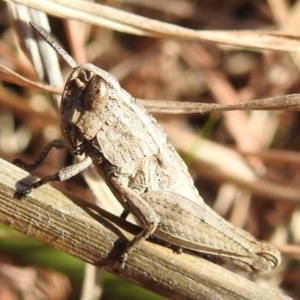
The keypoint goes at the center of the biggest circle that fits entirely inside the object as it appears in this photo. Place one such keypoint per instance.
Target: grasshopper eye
(96, 93)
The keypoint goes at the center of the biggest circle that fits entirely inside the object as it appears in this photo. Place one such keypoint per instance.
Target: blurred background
(244, 164)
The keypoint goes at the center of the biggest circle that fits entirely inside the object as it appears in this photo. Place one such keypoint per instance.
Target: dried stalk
(105, 16)
(70, 225)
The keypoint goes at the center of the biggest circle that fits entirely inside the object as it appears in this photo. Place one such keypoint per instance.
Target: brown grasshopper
(130, 151)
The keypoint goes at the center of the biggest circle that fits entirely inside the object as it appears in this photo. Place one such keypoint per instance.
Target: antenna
(58, 49)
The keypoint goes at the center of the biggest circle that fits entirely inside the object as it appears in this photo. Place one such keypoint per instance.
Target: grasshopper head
(84, 103)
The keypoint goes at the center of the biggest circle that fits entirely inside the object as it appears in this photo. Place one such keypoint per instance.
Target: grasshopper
(129, 149)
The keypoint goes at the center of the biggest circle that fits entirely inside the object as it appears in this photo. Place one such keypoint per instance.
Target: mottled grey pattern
(130, 150)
